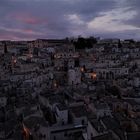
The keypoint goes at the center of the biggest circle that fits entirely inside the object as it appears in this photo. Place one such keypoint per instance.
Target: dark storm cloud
(52, 18)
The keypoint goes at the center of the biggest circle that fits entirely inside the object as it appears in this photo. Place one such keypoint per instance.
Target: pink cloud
(28, 31)
(27, 18)
(11, 36)
(8, 37)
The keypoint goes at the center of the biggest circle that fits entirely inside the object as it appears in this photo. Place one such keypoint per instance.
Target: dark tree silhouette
(5, 48)
(83, 43)
(115, 91)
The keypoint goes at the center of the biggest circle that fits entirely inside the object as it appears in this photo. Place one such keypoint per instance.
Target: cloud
(28, 19)
(61, 18)
(113, 20)
(75, 19)
(24, 31)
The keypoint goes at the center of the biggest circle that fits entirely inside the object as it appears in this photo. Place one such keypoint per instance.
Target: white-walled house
(74, 76)
(111, 73)
(136, 82)
(94, 128)
(61, 114)
(3, 101)
(102, 109)
(79, 115)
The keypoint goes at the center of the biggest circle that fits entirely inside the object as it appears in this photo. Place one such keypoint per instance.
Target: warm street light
(82, 69)
(15, 61)
(94, 75)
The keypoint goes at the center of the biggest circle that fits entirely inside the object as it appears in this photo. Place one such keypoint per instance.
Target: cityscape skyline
(32, 19)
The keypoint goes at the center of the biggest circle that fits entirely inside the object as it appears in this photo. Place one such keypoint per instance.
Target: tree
(83, 43)
(115, 91)
(5, 48)
(80, 44)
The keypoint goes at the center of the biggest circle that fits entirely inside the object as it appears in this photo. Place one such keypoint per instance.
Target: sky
(32, 19)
